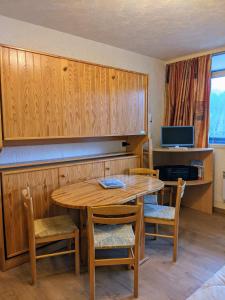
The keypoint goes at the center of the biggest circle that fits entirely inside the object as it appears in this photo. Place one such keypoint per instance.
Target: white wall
(219, 167)
(29, 36)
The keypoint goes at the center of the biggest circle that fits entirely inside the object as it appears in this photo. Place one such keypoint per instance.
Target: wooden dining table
(90, 193)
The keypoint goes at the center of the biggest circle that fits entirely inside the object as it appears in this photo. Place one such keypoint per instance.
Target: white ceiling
(159, 28)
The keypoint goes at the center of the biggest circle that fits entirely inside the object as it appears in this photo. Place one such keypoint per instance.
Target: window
(217, 100)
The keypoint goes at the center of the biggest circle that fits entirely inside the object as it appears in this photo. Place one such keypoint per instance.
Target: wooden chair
(147, 172)
(110, 227)
(49, 230)
(155, 174)
(144, 171)
(166, 215)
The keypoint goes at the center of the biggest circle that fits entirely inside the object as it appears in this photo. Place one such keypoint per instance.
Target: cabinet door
(121, 166)
(80, 172)
(86, 99)
(42, 184)
(128, 92)
(31, 95)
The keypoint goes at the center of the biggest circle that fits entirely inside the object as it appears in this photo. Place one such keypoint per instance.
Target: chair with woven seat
(48, 230)
(166, 215)
(110, 227)
(153, 198)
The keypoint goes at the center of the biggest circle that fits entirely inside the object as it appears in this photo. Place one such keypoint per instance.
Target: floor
(201, 254)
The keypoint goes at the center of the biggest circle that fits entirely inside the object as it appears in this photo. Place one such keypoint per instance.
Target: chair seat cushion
(113, 236)
(159, 212)
(53, 226)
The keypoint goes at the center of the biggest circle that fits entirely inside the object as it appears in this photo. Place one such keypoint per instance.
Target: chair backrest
(28, 204)
(144, 171)
(180, 192)
(114, 214)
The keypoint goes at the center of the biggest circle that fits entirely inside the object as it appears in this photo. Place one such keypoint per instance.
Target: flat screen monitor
(177, 136)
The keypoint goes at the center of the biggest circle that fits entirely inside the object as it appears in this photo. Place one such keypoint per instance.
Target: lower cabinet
(121, 165)
(80, 172)
(43, 181)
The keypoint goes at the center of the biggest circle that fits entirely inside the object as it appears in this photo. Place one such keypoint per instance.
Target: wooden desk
(90, 193)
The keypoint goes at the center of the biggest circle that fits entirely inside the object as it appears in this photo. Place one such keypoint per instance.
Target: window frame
(217, 74)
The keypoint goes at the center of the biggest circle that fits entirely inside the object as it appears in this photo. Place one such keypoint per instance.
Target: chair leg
(91, 276)
(175, 243)
(69, 244)
(171, 196)
(136, 275)
(77, 253)
(162, 196)
(156, 230)
(33, 263)
(129, 255)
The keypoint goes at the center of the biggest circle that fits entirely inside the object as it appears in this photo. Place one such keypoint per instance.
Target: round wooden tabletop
(91, 193)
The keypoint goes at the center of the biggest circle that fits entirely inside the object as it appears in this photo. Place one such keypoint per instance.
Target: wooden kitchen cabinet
(48, 97)
(121, 165)
(31, 95)
(128, 92)
(42, 183)
(86, 109)
(80, 172)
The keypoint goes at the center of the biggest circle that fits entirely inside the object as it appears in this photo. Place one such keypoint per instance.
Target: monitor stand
(178, 148)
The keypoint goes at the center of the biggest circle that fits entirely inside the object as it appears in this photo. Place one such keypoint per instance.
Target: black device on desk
(172, 173)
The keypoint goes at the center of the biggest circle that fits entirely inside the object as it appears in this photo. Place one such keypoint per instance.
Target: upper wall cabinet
(51, 97)
(128, 93)
(85, 99)
(31, 95)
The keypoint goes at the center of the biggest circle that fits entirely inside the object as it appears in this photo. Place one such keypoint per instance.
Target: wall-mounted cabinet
(85, 98)
(31, 95)
(128, 103)
(53, 97)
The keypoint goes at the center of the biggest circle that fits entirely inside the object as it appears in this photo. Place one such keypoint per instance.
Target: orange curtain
(187, 96)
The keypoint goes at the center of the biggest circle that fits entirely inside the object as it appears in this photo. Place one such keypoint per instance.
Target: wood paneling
(42, 183)
(50, 97)
(128, 92)
(80, 172)
(86, 99)
(31, 95)
(121, 166)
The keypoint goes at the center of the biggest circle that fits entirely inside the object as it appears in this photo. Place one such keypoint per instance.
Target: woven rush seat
(159, 212)
(113, 236)
(53, 226)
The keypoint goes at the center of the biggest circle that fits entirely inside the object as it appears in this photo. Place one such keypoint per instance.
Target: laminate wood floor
(201, 254)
